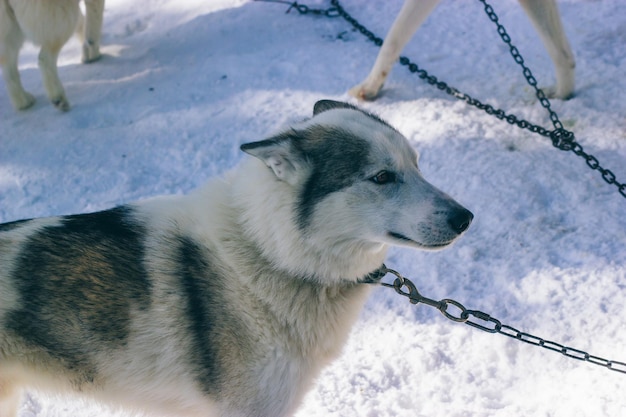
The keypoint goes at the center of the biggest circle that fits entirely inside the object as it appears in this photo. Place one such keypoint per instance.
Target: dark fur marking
(78, 282)
(5, 227)
(200, 284)
(334, 167)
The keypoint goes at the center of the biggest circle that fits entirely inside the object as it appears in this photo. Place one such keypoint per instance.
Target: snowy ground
(184, 83)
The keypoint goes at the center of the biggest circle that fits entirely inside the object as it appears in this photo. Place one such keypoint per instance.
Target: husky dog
(227, 301)
(49, 24)
(544, 15)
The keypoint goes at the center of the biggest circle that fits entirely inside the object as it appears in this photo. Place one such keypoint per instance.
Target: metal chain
(561, 138)
(304, 9)
(490, 324)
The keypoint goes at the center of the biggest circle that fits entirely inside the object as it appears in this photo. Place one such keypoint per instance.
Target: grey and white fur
(227, 301)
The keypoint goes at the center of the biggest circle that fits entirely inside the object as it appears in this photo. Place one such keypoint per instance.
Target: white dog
(49, 24)
(228, 301)
(544, 15)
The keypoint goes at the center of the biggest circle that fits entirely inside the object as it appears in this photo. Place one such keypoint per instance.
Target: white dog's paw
(556, 93)
(364, 92)
(60, 103)
(25, 101)
(91, 52)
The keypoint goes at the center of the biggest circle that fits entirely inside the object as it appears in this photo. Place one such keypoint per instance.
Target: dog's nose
(460, 220)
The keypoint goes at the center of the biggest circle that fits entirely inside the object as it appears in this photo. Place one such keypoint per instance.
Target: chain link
(483, 321)
(561, 138)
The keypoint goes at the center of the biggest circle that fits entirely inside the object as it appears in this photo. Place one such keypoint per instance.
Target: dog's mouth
(398, 236)
(406, 240)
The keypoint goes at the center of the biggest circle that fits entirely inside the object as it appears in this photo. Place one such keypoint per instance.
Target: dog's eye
(383, 177)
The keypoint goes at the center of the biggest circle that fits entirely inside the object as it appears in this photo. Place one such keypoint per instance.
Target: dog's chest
(306, 334)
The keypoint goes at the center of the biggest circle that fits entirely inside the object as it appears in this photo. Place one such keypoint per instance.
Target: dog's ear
(279, 154)
(324, 105)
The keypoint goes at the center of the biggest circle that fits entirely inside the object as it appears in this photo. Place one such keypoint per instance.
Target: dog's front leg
(411, 16)
(544, 15)
(48, 56)
(11, 41)
(94, 10)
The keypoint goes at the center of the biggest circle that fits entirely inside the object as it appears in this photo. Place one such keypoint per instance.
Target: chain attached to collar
(483, 321)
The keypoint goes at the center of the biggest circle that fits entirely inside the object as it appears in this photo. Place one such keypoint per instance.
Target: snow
(183, 84)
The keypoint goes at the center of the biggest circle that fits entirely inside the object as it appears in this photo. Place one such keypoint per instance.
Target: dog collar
(375, 276)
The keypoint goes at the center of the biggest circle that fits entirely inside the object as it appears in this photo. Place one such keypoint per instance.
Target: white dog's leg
(544, 15)
(48, 56)
(52, 35)
(49, 24)
(11, 41)
(411, 16)
(92, 29)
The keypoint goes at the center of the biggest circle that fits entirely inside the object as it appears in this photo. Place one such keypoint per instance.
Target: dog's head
(356, 179)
